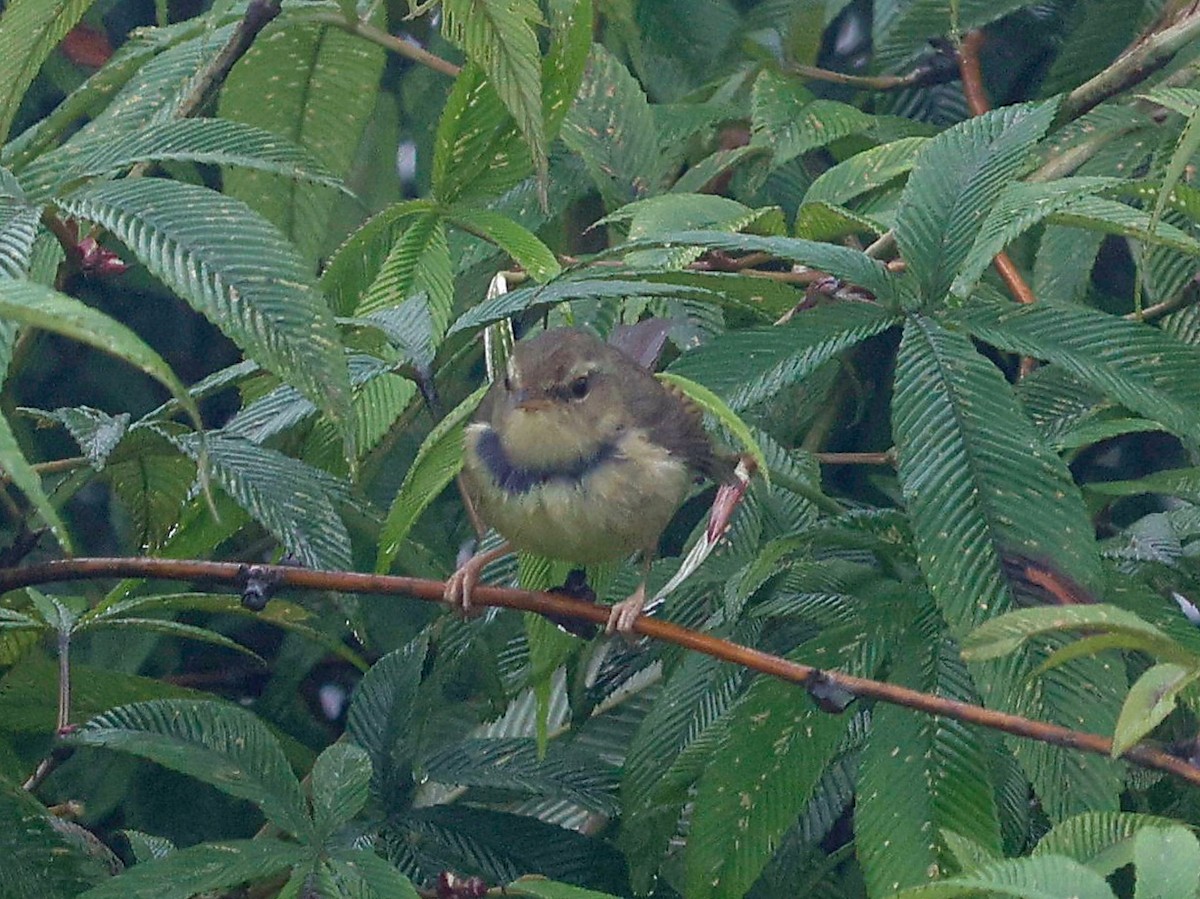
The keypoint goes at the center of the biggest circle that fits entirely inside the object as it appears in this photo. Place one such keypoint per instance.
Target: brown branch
(397, 45)
(887, 457)
(236, 574)
(259, 14)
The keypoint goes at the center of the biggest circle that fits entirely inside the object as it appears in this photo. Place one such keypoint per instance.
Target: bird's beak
(522, 400)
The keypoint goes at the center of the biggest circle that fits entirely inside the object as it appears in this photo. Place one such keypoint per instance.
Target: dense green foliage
(242, 317)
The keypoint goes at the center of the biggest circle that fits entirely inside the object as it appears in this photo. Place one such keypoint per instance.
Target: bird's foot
(623, 615)
(459, 586)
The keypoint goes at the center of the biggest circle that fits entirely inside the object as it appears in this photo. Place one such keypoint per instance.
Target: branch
(237, 574)
(398, 45)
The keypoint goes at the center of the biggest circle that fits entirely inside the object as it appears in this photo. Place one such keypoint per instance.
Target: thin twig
(397, 45)
(233, 573)
(887, 457)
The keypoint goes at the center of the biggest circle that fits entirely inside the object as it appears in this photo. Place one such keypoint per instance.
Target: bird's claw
(624, 614)
(457, 592)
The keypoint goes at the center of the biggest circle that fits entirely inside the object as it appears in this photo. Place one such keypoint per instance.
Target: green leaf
(45, 308)
(1017, 208)
(209, 867)
(548, 889)
(1005, 634)
(612, 129)
(203, 141)
(978, 483)
(1101, 840)
(755, 786)
(920, 775)
(294, 501)
(19, 220)
(1167, 863)
(787, 120)
(340, 780)
(44, 858)
(498, 36)
(368, 868)
(236, 270)
(96, 432)
(323, 104)
(381, 716)
(1043, 877)
(437, 462)
(726, 417)
(864, 172)
(957, 177)
(752, 365)
(521, 244)
(1151, 699)
(29, 32)
(1152, 373)
(14, 464)
(217, 743)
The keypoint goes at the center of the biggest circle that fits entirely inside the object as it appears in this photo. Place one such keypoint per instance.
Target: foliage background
(243, 283)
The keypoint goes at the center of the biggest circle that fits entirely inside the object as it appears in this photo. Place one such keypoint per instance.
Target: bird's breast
(602, 506)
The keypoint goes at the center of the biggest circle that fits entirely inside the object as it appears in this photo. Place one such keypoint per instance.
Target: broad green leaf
(1151, 699)
(204, 141)
(752, 365)
(865, 171)
(294, 501)
(209, 867)
(498, 36)
(612, 129)
(96, 432)
(43, 857)
(236, 270)
(1152, 373)
(380, 719)
(1181, 482)
(152, 479)
(786, 119)
(1005, 634)
(1017, 208)
(437, 462)
(340, 780)
(19, 221)
(548, 889)
(368, 868)
(978, 483)
(522, 245)
(29, 32)
(23, 475)
(921, 775)
(823, 221)
(754, 787)
(177, 629)
(1043, 877)
(1101, 840)
(43, 307)
(218, 743)
(323, 104)
(726, 417)
(956, 178)
(1166, 861)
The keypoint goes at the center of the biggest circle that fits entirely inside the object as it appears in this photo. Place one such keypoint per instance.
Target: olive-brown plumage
(580, 454)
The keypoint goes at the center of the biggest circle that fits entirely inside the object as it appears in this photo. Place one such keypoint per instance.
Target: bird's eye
(579, 387)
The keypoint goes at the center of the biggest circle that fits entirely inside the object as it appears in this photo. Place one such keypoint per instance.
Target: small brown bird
(581, 454)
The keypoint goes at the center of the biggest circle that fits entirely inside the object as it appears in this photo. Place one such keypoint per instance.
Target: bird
(580, 454)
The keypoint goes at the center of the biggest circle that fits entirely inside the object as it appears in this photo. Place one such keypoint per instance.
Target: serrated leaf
(14, 464)
(293, 501)
(29, 32)
(1101, 840)
(753, 365)
(218, 743)
(236, 270)
(379, 876)
(498, 36)
(548, 889)
(1033, 878)
(323, 104)
(96, 432)
(1151, 699)
(955, 179)
(340, 779)
(201, 869)
(612, 129)
(1152, 373)
(19, 221)
(865, 171)
(726, 417)
(1167, 863)
(437, 462)
(521, 244)
(43, 307)
(203, 141)
(785, 118)
(755, 786)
